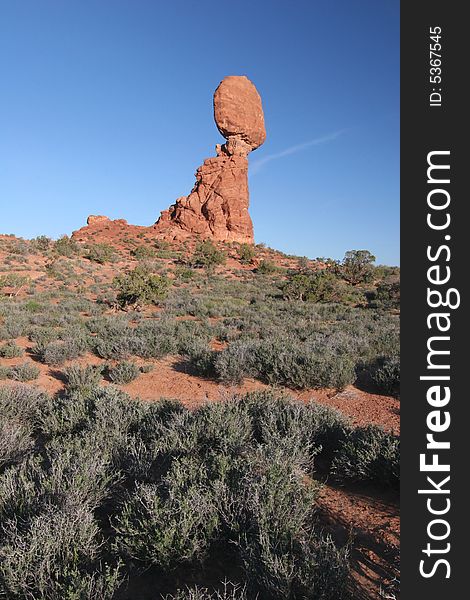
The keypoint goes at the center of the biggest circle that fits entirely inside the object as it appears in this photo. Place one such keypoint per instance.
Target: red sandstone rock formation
(217, 207)
(93, 219)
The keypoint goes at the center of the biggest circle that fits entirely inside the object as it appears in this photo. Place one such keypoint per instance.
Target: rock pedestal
(217, 207)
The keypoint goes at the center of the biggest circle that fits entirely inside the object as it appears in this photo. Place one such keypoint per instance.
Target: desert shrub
(169, 525)
(53, 558)
(184, 274)
(25, 372)
(272, 513)
(385, 375)
(15, 324)
(303, 263)
(357, 266)
(320, 286)
(123, 372)
(201, 358)
(100, 253)
(207, 255)
(147, 368)
(230, 591)
(235, 363)
(57, 352)
(11, 350)
(298, 430)
(14, 283)
(140, 287)
(18, 246)
(20, 408)
(22, 403)
(386, 296)
(5, 372)
(41, 243)
(303, 366)
(143, 252)
(15, 442)
(266, 267)
(162, 245)
(114, 337)
(116, 347)
(246, 254)
(157, 338)
(92, 480)
(82, 379)
(66, 246)
(369, 454)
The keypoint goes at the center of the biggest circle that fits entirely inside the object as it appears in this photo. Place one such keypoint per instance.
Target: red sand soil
(171, 377)
(370, 521)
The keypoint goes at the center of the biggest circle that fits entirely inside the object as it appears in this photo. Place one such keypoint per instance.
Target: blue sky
(106, 108)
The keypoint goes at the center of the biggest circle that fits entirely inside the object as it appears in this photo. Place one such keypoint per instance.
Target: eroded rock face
(217, 207)
(94, 219)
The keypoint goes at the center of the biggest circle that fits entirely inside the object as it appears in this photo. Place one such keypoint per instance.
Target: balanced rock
(238, 112)
(217, 207)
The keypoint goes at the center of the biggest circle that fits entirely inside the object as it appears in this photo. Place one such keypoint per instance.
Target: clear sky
(106, 108)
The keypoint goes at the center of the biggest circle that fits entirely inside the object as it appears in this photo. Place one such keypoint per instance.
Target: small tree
(140, 287)
(357, 266)
(266, 267)
(246, 254)
(207, 255)
(387, 296)
(101, 253)
(41, 243)
(321, 286)
(66, 246)
(143, 252)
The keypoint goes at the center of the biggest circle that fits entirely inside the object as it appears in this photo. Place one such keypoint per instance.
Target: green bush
(230, 591)
(207, 255)
(83, 379)
(140, 287)
(41, 243)
(5, 372)
(25, 372)
(123, 372)
(101, 253)
(320, 286)
(143, 252)
(302, 366)
(94, 484)
(66, 246)
(13, 281)
(57, 352)
(169, 525)
(246, 254)
(201, 358)
(11, 350)
(53, 557)
(385, 375)
(369, 454)
(357, 266)
(386, 296)
(266, 267)
(283, 556)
